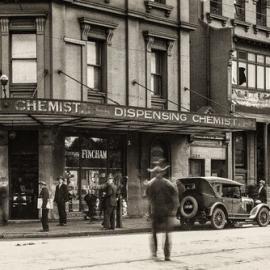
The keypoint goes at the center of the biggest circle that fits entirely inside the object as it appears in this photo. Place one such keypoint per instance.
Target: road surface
(239, 248)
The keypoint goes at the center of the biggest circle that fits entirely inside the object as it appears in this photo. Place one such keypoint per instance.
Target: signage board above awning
(45, 112)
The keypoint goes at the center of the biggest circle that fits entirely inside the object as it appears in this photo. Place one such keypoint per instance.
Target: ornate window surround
(28, 22)
(100, 31)
(156, 5)
(163, 42)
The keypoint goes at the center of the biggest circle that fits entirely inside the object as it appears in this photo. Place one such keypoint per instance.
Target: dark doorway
(196, 167)
(218, 168)
(23, 175)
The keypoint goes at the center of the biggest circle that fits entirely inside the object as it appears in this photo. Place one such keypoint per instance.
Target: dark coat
(110, 195)
(61, 194)
(262, 195)
(163, 197)
(44, 194)
(3, 195)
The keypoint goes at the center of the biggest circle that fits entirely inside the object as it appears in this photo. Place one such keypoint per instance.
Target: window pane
(234, 72)
(72, 151)
(267, 60)
(242, 55)
(156, 84)
(251, 75)
(242, 73)
(24, 71)
(24, 46)
(260, 59)
(93, 53)
(260, 77)
(251, 57)
(268, 78)
(93, 77)
(153, 62)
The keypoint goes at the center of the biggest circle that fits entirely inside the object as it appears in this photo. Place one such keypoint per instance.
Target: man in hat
(163, 198)
(44, 195)
(60, 198)
(110, 202)
(262, 192)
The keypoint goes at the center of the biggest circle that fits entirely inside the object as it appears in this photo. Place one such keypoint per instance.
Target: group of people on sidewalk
(61, 197)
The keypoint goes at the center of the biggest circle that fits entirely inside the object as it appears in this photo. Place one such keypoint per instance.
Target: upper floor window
(94, 65)
(23, 58)
(239, 6)
(216, 7)
(157, 76)
(261, 6)
(251, 70)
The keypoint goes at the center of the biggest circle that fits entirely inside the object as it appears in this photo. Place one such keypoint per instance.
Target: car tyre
(263, 217)
(218, 219)
(189, 207)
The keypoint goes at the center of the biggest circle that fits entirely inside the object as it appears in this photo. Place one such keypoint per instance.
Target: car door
(226, 199)
(237, 206)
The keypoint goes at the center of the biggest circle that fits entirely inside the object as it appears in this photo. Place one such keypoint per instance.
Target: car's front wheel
(263, 217)
(218, 219)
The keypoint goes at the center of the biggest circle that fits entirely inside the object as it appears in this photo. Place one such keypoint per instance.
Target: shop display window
(89, 161)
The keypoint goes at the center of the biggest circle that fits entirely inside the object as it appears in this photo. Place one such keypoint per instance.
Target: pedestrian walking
(262, 195)
(44, 195)
(60, 198)
(163, 198)
(3, 201)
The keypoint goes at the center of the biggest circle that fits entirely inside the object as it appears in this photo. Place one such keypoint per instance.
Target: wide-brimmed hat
(42, 183)
(262, 182)
(158, 169)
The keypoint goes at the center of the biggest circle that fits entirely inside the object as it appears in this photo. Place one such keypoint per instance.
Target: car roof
(214, 179)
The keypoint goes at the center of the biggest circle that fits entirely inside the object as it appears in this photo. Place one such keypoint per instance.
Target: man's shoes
(167, 258)
(60, 224)
(44, 230)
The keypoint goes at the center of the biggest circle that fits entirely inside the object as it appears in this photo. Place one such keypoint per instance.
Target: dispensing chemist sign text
(120, 112)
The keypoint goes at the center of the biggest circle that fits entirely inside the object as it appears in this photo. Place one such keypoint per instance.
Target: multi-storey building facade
(97, 88)
(230, 49)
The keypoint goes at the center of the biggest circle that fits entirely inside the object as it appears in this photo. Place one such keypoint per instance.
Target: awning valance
(71, 113)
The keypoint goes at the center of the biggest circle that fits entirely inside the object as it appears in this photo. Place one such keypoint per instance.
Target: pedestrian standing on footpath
(3, 201)
(262, 192)
(110, 202)
(44, 195)
(60, 198)
(163, 198)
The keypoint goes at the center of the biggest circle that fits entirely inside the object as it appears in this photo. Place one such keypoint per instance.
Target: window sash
(254, 73)
(157, 73)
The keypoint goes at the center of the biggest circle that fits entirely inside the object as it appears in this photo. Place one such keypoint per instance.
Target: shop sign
(43, 106)
(94, 154)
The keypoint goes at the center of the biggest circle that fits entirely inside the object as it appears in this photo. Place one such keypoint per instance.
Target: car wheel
(218, 219)
(189, 207)
(263, 217)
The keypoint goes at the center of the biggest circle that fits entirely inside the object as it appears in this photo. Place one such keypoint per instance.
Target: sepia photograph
(134, 134)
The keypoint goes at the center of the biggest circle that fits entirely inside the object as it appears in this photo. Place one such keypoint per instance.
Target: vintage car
(217, 200)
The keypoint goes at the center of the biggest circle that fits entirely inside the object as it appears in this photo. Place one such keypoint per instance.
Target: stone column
(46, 164)
(40, 24)
(4, 27)
(4, 161)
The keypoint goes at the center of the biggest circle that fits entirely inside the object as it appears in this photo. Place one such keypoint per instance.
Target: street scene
(236, 249)
(125, 120)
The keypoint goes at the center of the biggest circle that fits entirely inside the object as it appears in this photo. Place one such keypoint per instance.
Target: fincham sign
(65, 107)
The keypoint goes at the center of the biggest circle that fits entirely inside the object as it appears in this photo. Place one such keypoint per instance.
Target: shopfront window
(90, 160)
(240, 150)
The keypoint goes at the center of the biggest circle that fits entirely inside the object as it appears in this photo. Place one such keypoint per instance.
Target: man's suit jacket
(262, 195)
(61, 194)
(110, 195)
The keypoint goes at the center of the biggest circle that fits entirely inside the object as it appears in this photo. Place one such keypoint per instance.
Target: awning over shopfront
(76, 114)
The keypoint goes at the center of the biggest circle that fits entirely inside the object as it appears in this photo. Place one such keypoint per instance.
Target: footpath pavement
(31, 229)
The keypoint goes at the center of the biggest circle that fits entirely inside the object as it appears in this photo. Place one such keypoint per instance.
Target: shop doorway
(23, 174)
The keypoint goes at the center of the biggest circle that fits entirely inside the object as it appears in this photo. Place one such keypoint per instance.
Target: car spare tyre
(189, 207)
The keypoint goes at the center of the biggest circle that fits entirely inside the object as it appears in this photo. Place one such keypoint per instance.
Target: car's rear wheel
(189, 207)
(218, 219)
(263, 217)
